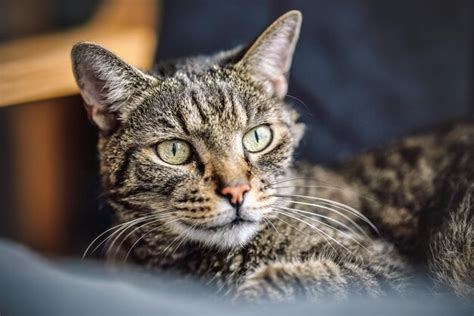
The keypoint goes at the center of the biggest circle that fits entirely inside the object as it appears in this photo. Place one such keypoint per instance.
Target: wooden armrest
(39, 68)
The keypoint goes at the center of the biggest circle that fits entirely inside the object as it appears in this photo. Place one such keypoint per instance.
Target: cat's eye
(257, 139)
(174, 152)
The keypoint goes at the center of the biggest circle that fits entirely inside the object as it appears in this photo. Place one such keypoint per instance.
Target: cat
(196, 159)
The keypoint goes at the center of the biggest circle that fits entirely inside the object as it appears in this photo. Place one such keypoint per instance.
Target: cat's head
(198, 144)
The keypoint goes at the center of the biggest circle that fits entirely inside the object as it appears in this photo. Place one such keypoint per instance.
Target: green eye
(257, 139)
(174, 152)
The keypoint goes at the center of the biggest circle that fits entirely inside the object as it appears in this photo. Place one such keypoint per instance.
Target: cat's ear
(109, 86)
(268, 59)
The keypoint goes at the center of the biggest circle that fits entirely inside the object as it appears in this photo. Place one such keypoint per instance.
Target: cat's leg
(374, 275)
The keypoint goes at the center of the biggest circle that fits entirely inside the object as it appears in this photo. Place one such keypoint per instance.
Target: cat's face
(201, 146)
(206, 149)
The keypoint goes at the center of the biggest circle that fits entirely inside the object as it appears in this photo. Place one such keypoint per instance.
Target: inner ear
(268, 60)
(93, 92)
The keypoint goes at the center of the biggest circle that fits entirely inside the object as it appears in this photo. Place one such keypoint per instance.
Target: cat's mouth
(237, 221)
(233, 231)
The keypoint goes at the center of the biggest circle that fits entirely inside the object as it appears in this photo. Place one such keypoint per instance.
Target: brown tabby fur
(418, 192)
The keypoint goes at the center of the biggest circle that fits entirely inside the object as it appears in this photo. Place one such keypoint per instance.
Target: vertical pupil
(173, 149)
(257, 137)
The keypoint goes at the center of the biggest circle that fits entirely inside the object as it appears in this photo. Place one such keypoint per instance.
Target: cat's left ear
(109, 86)
(269, 58)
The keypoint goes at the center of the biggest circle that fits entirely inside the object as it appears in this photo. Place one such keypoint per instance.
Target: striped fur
(293, 241)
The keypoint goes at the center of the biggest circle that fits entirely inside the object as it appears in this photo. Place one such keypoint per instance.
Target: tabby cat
(196, 161)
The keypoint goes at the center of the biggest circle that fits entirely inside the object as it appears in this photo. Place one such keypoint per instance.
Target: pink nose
(236, 193)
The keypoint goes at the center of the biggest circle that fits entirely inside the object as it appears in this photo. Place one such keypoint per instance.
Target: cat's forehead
(211, 106)
(215, 87)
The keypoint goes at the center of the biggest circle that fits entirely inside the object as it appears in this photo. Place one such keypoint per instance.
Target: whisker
(157, 218)
(110, 248)
(98, 237)
(105, 232)
(299, 178)
(315, 228)
(300, 101)
(321, 216)
(185, 235)
(270, 222)
(331, 210)
(118, 233)
(326, 224)
(338, 205)
(146, 234)
(150, 222)
(176, 239)
(300, 231)
(325, 187)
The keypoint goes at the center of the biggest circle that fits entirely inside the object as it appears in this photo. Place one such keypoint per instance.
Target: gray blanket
(31, 285)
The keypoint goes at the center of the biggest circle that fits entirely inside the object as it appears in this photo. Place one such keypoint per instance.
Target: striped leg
(374, 276)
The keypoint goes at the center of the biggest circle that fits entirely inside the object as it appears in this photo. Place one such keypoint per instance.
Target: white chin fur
(227, 238)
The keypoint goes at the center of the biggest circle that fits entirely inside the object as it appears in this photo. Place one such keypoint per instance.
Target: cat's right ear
(268, 59)
(109, 86)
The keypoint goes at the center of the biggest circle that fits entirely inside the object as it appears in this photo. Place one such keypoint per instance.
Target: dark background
(364, 72)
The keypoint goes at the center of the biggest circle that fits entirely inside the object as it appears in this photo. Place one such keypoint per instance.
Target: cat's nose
(235, 194)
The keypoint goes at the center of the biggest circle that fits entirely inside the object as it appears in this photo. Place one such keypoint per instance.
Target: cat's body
(196, 160)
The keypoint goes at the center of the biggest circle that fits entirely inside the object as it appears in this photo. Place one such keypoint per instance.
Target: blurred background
(364, 72)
